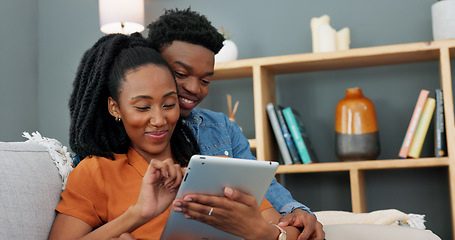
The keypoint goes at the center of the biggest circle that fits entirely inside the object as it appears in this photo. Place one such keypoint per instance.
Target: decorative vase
(228, 52)
(443, 19)
(356, 128)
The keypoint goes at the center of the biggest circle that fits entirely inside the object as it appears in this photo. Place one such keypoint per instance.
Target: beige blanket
(383, 217)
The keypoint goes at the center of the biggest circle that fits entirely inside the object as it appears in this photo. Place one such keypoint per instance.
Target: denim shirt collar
(195, 117)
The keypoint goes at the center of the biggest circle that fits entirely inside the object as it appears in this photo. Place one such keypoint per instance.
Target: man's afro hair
(184, 25)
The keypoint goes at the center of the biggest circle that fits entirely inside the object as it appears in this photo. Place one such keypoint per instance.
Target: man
(189, 42)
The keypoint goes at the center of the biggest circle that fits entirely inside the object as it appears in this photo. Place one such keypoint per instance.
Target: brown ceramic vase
(356, 128)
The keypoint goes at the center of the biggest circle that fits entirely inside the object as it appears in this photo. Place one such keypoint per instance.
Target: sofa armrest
(30, 190)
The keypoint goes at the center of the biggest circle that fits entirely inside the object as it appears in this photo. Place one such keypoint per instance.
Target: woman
(125, 124)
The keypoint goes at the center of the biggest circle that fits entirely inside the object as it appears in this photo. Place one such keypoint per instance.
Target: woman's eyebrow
(170, 93)
(149, 97)
(141, 97)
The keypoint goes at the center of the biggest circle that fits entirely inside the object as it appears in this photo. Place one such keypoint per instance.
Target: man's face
(193, 66)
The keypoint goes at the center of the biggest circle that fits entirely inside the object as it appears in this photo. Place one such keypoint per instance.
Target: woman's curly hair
(101, 73)
(184, 25)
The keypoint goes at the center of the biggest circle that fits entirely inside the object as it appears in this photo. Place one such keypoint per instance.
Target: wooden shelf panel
(234, 69)
(352, 58)
(253, 143)
(364, 165)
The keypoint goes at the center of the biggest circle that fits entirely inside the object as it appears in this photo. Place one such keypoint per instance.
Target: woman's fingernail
(228, 191)
(178, 204)
(177, 209)
(188, 199)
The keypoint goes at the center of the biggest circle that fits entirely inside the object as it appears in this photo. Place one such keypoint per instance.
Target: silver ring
(211, 210)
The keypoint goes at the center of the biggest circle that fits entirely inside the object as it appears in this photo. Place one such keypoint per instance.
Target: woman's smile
(157, 135)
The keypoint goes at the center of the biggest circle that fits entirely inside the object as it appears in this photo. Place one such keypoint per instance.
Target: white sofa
(30, 190)
(30, 187)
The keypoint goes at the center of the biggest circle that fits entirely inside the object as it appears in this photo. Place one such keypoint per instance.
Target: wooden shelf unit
(263, 71)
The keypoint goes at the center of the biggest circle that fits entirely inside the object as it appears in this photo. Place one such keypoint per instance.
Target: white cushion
(376, 232)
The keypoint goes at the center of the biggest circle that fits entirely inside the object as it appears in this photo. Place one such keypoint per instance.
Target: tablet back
(209, 175)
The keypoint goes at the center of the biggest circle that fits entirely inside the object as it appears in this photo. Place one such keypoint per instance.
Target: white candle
(327, 38)
(343, 39)
(314, 24)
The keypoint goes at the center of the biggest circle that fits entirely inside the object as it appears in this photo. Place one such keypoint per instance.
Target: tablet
(209, 175)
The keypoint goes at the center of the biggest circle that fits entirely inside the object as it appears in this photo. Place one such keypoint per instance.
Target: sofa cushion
(376, 232)
(30, 190)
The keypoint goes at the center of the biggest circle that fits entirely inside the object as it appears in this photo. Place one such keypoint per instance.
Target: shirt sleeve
(240, 144)
(282, 200)
(264, 205)
(83, 196)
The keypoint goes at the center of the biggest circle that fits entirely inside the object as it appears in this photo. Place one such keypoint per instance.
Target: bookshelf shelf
(364, 165)
(357, 172)
(263, 71)
(353, 58)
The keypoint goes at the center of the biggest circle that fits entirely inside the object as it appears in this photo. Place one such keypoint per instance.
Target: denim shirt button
(226, 153)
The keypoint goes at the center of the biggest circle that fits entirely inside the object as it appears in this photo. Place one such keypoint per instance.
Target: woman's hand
(237, 213)
(159, 188)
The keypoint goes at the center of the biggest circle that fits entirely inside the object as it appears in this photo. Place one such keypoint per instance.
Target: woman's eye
(142, 108)
(169, 105)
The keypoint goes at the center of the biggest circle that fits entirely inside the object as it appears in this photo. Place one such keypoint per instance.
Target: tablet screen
(209, 175)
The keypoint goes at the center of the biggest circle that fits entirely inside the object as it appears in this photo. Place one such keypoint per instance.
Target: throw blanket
(60, 155)
(383, 217)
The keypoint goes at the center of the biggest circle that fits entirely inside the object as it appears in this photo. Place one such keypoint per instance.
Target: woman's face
(149, 110)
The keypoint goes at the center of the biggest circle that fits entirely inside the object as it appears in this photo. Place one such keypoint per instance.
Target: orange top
(99, 190)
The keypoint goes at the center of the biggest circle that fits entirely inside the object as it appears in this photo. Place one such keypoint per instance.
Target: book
(299, 135)
(440, 141)
(286, 156)
(422, 128)
(413, 123)
(287, 136)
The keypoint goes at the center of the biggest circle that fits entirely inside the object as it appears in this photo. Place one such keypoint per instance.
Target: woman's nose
(157, 118)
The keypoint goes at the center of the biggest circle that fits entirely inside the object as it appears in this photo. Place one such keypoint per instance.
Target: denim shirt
(217, 135)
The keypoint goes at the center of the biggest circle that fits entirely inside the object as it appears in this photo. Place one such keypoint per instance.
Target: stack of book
(291, 136)
(421, 118)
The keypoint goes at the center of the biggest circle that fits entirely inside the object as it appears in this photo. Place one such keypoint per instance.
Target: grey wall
(40, 52)
(67, 29)
(18, 68)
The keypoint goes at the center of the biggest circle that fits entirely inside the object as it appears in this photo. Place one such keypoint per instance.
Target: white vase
(443, 19)
(228, 52)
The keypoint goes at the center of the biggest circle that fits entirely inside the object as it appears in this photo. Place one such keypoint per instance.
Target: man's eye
(205, 82)
(180, 75)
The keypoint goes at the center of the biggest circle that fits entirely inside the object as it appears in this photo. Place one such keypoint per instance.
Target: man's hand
(312, 229)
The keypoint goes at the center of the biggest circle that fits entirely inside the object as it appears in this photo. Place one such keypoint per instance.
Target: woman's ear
(113, 108)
